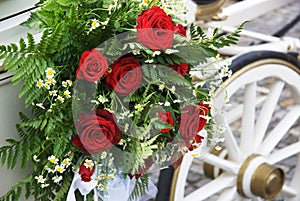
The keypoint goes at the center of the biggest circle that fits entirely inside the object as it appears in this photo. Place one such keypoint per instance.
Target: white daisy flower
(47, 86)
(70, 83)
(102, 99)
(195, 93)
(50, 73)
(64, 83)
(173, 89)
(40, 105)
(53, 159)
(149, 61)
(40, 179)
(35, 158)
(44, 185)
(167, 104)
(95, 24)
(66, 162)
(67, 94)
(138, 107)
(126, 127)
(60, 168)
(57, 179)
(53, 93)
(103, 155)
(51, 81)
(40, 83)
(105, 22)
(61, 99)
(88, 163)
(161, 87)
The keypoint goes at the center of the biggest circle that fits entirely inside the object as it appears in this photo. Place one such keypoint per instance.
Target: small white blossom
(111, 176)
(149, 61)
(50, 73)
(210, 33)
(53, 159)
(40, 105)
(161, 87)
(70, 83)
(57, 179)
(67, 94)
(102, 99)
(167, 104)
(138, 107)
(64, 84)
(173, 89)
(177, 101)
(35, 158)
(60, 168)
(156, 53)
(66, 162)
(50, 81)
(95, 24)
(88, 163)
(195, 93)
(103, 155)
(60, 99)
(44, 185)
(111, 161)
(40, 179)
(136, 52)
(105, 22)
(40, 83)
(126, 127)
(47, 86)
(110, 8)
(49, 170)
(170, 51)
(53, 93)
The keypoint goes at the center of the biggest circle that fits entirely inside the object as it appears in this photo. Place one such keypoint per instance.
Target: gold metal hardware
(266, 182)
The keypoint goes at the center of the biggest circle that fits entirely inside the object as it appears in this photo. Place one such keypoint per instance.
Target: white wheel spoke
(295, 183)
(267, 111)
(213, 187)
(232, 147)
(222, 163)
(248, 120)
(228, 194)
(257, 199)
(289, 191)
(237, 112)
(284, 153)
(279, 131)
(182, 175)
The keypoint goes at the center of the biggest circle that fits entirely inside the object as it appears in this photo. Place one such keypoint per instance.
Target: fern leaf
(64, 188)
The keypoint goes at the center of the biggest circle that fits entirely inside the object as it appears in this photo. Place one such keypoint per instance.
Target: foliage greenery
(65, 34)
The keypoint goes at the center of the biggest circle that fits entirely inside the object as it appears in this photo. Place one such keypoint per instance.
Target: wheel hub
(258, 178)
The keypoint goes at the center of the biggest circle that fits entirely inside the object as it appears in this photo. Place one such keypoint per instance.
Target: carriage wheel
(259, 141)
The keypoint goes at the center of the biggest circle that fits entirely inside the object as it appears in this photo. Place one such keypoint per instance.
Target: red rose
(194, 144)
(77, 142)
(92, 65)
(155, 29)
(97, 131)
(126, 76)
(86, 172)
(192, 121)
(167, 118)
(179, 29)
(182, 69)
(142, 170)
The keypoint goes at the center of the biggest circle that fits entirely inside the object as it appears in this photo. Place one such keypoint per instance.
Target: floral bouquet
(111, 95)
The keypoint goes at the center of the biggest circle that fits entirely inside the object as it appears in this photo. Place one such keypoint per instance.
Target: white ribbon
(119, 189)
(83, 187)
